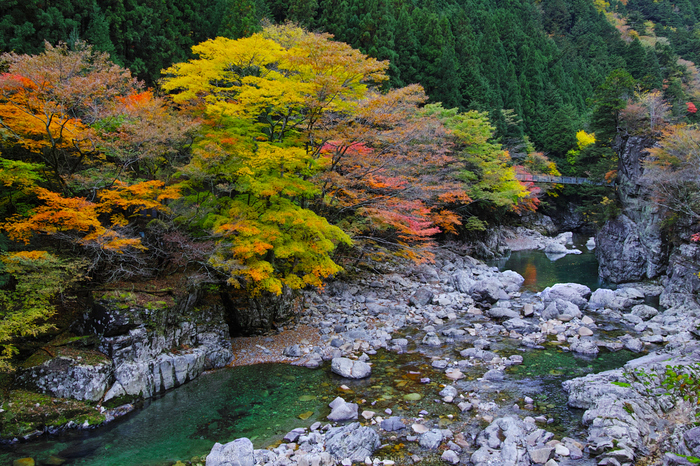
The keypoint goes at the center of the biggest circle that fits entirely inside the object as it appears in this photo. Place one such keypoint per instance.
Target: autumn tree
(103, 229)
(673, 172)
(140, 137)
(263, 97)
(48, 102)
(388, 168)
(84, 149)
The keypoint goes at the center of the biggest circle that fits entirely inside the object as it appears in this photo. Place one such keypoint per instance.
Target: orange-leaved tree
(48, 102)
(388, 166)
(81, 221)
(92, 148)
(141, 136)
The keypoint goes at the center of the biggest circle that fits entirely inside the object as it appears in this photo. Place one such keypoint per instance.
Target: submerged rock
(392, 424)
(431, 440)
(571, 292)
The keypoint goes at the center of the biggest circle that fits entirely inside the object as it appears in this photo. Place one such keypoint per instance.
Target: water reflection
(540, 272)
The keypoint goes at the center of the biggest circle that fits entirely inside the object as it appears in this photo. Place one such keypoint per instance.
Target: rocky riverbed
(493, 357)
(474, 324)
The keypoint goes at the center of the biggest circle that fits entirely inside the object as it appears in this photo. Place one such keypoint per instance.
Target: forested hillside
(262, 155)
(541, 59)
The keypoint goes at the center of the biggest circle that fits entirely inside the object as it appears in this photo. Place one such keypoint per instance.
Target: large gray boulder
(502, 313)
(488, 290)
(392, 424)
(431, 440)
(421, 297)
(617, 300)
(237, 453)
(350, 369)
(512, 281)
(555, 248)
(584, 346)
(559, 307)
(462, 281)
(352, 441)
(644, 312)
(571, 292)
(520, 325)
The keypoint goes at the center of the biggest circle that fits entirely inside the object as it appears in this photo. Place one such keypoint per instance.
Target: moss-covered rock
(26, 412)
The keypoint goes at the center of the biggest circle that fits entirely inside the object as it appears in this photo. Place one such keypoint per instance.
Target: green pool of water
(542, 373)
(555, 362)
(540, 271)
(260, 402)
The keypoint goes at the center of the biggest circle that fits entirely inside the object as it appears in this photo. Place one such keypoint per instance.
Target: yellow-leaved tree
(250, 174)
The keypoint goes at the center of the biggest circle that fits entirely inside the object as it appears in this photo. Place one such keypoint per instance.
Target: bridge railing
(559, 179)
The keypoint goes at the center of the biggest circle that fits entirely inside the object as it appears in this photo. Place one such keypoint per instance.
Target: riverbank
(473, 328)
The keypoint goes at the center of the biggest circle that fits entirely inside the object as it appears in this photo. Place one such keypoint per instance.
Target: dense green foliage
(541, 59)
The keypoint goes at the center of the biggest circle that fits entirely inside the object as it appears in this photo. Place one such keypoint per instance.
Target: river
(266, 401)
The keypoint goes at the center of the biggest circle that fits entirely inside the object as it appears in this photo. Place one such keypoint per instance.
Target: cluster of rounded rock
(317, 446)
(507, 440)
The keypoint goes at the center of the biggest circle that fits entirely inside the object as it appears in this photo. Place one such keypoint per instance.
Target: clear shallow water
(260, 402)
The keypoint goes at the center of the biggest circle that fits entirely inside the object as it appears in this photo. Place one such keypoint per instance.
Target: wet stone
(450, 456)
(392, 424)
(540, 455)
(431, 440)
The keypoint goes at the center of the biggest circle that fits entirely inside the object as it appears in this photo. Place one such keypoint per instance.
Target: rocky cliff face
(682, 282)
(138, 352)
(246, 315)
(632, 247)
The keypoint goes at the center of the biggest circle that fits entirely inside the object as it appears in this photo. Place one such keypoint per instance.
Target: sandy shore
(263, 349)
